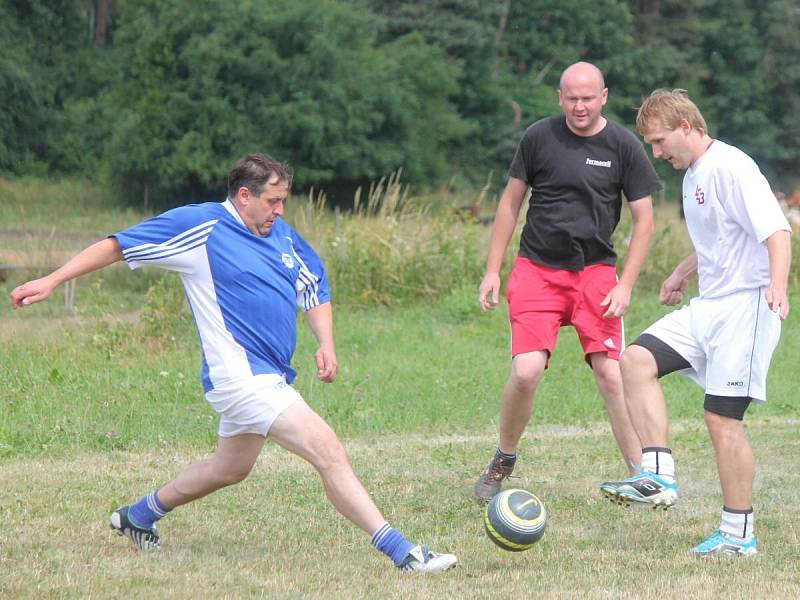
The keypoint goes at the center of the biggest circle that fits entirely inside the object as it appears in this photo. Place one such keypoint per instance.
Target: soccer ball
(515, 520)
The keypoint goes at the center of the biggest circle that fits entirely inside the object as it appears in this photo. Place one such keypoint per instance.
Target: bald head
(582, 95)
(582, 73)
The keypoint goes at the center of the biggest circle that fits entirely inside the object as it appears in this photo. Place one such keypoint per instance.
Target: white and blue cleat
(720, 544)
(419, 558)
(643, 488)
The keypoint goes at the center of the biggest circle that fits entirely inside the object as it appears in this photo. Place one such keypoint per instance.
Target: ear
(685, 126)
(243, 195)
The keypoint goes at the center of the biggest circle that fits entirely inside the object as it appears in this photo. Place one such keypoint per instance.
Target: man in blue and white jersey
(724, 338)
(245, 272)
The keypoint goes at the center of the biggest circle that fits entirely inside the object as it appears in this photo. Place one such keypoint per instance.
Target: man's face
(582, 100)
(260, 212)
(670, 145)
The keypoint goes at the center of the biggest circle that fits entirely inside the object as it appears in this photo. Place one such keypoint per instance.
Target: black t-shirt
(576, 185)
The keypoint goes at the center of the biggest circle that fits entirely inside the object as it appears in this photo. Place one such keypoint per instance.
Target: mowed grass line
(275, 535)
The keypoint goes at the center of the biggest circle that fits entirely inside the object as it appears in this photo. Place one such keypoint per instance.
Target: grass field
(102, 404)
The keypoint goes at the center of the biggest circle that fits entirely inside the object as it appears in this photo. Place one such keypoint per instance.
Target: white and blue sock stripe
(392, 543)
(147, 510)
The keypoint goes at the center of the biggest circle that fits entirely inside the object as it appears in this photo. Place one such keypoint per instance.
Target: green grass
(90, 383)
(103, 403)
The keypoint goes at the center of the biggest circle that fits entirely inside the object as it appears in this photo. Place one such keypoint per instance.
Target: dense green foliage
(348, 91)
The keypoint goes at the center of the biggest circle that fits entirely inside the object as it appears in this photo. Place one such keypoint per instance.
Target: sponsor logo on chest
(598, 163)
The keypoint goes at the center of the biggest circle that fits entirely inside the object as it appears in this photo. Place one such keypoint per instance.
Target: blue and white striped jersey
(243, 289)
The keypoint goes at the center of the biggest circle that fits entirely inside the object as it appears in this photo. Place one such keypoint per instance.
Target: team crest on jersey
(699, 196)
(288, 260)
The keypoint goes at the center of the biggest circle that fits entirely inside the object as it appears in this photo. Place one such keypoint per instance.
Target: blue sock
(392, 543)
(147, 511)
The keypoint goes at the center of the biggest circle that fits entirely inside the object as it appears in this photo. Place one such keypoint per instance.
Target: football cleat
(490, 481)
(720, 544)
(419, 558)
(644, 488)
(143, 539)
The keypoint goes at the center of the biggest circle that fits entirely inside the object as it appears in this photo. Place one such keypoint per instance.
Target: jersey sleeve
(167, 240)
(312, 280)
(750, 202)
(522, 163)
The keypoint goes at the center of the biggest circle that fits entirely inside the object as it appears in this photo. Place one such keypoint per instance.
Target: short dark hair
(254, 172)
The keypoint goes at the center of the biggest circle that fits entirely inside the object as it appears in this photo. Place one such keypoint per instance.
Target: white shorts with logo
(251, 405)
(729, 342)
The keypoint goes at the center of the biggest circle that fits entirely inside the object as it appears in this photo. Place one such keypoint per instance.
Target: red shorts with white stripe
(541, 300)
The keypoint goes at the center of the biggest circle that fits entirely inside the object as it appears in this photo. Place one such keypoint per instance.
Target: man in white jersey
(724, 338)
(245, 271)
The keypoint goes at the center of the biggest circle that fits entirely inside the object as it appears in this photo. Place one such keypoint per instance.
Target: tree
(36, 78)
(197, 84)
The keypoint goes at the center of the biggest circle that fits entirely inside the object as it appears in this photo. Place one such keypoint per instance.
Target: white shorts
(728, 342)
(251, 405)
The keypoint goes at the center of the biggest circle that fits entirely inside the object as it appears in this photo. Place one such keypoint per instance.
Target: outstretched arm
(619, 298)
(320, 319)
(779, 246)
(95, 257)
(505, 221)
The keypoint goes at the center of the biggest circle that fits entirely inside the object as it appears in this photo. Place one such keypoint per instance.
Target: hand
(777, 300)
(489, 292)
(327, 365)
(617, 301)
(31, 292)
(672, 290)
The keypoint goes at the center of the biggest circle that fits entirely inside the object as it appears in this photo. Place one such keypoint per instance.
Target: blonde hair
(669, 108)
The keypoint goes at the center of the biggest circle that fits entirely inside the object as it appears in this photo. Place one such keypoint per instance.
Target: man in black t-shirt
(577, 166)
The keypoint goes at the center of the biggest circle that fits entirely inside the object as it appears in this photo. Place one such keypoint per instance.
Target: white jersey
(730, 212)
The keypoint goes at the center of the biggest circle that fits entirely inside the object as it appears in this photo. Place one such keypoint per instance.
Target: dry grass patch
(276, 536)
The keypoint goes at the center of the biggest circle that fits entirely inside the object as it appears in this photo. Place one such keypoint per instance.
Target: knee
(226, 474)
(607, 374)
(727, 434)
(328, 454)
(721, 425)
(527, 374)
(637, 363)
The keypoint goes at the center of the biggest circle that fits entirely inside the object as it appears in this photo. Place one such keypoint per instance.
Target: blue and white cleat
(719, 544)
(644, 488)
(419, 558)
(143, 539)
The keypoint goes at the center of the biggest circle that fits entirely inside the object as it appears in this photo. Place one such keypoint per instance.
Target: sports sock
(737, 523)
(147, 510)
(391, 542)
(507, 460)
(660, 462)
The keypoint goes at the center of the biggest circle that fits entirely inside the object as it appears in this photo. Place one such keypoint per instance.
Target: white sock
(737, 523)
(660, 462)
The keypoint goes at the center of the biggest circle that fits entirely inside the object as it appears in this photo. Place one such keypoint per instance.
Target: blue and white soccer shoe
(719, 544)
(419, 558)
(644, 488)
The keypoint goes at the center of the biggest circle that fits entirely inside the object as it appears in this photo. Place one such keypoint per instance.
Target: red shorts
(541, 300)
